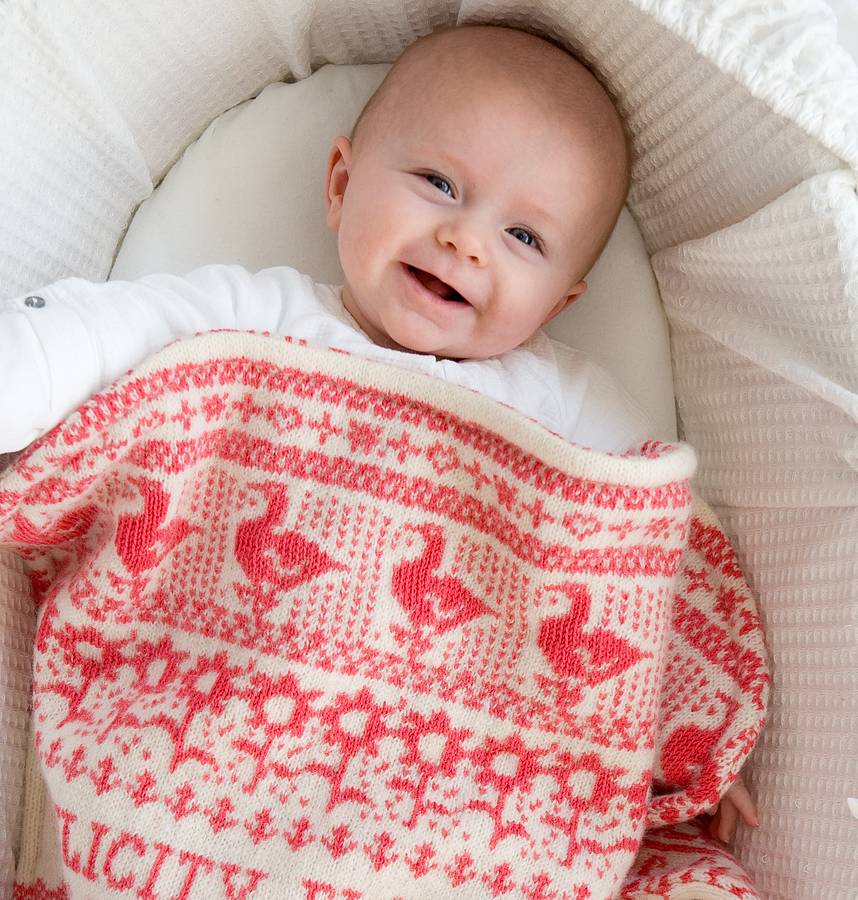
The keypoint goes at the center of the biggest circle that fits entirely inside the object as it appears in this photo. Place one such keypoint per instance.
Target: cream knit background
(743, 114)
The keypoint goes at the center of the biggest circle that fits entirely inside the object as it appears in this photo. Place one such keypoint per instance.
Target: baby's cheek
(352, 261)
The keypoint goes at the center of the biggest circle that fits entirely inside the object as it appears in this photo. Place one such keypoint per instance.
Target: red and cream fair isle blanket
(311, 626)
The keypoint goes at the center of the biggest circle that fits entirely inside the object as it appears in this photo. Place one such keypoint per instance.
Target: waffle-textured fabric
(742, 118)
(307, 619)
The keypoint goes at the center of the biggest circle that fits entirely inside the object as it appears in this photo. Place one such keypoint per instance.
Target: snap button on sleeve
(34, 302)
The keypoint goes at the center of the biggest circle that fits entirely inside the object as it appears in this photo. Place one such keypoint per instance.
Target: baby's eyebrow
(446, 159)
(540, 214)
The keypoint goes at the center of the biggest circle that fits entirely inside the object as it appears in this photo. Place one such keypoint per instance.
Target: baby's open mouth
(441, 288)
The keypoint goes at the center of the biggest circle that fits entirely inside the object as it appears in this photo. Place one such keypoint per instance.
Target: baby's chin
(424, 348)
(409, 331)
(419, 338)
(453, 352)
(415, 337)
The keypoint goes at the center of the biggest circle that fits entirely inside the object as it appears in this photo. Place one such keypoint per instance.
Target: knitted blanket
(315, 626)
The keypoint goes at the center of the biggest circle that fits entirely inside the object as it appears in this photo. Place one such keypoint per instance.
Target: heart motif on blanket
(582, 526)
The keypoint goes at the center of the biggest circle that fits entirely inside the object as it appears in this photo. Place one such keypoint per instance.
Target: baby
(483, 180)
(481, 183)
(472, 201)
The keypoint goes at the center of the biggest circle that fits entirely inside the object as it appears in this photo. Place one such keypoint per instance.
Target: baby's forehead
(461, 71)
(484, 75)
(481, 113)
(507, 72)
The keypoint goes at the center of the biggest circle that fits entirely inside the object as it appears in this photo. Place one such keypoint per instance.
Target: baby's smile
(434, 284)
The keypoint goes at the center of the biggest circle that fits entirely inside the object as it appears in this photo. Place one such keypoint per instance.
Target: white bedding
(846, 12)
(743, 119)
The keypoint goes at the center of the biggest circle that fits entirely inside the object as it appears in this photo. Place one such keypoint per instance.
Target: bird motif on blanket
(275, 558)
(441, 602)
(593, 655)
(68, 533)
(143, 538)
(687, 756)
(70, 527)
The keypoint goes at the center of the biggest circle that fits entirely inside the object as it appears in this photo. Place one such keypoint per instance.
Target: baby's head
(482, 182)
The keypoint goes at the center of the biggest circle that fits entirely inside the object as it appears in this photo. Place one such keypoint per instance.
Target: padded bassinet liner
(742, 114)
(730, 103)
(16, 659)
(773, 301)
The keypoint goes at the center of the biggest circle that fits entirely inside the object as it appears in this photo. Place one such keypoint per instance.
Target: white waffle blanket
(746, 139)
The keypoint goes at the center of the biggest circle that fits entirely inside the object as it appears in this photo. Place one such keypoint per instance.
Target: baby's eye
(525, 236)
(441, 183)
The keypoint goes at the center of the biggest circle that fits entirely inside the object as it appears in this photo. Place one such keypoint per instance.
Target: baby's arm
(61, 344)
(736, 802)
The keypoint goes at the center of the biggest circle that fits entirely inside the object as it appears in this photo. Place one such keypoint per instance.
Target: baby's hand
(736, 802)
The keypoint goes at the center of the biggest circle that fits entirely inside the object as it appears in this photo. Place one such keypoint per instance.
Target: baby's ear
(337, 180)
(568, 298)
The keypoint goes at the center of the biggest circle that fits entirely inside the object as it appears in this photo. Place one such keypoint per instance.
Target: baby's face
(465, 222)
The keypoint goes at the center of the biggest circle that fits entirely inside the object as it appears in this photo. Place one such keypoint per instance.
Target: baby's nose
(463, 238)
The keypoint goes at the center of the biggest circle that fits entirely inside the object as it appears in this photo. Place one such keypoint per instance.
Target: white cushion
(847, 24)
(250, 191)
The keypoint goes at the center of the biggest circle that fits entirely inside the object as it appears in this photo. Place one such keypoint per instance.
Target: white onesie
(66, 341)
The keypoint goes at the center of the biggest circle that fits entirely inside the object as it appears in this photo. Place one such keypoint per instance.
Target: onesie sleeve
(64, 342)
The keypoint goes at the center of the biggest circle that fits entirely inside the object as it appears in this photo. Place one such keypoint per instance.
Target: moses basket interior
(743, 117)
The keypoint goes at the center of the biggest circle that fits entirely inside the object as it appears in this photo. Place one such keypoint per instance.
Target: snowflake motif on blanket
(305, 632)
